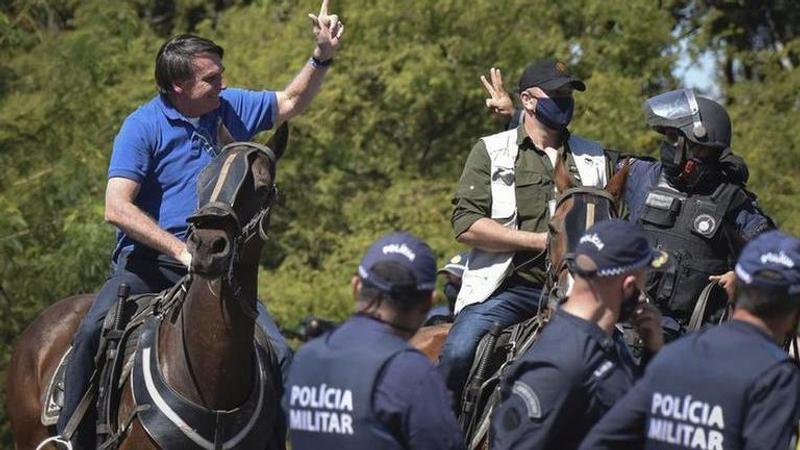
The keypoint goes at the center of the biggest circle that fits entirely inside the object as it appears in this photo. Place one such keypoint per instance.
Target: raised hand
(499, 102)
(328, 32)
(647, 323)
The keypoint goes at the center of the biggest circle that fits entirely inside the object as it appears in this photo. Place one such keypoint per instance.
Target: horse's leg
(38, 350)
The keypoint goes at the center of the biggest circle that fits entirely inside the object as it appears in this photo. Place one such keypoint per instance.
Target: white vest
(485, 271)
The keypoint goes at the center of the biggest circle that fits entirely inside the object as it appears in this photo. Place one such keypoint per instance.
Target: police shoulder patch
(529, 398)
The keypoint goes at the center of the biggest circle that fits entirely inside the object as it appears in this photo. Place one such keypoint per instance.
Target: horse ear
(223, 135)
(279, 139)
(561, 176)
(616, 185)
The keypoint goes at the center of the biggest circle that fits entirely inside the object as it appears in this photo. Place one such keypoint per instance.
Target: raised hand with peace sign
(328, 30)
(499, 102)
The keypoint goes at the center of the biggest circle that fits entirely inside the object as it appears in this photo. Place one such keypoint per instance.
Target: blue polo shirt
(163, 151)
(726, 387)
(555, 393)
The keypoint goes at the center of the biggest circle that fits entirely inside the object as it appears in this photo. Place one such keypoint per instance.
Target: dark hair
(404, 297)
(174, 59)
(766, 303)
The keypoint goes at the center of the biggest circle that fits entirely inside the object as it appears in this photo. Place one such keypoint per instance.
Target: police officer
(580, 365)
(731, 386)
(690, 203)
(452, 273)
(361, 386)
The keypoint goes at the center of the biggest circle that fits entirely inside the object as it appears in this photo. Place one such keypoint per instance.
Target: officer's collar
(594, 331)
(376, 322)
(752, 329)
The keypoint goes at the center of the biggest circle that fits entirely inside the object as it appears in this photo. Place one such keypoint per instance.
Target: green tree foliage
(382, 146)
(757, 49)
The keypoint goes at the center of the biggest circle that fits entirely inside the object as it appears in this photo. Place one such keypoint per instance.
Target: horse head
(235, 194)
(577, 208)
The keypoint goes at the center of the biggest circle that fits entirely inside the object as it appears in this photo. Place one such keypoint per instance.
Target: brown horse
(577, 208)
(202, 348)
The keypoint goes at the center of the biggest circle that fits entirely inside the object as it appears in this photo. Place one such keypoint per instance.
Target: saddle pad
(53, 400)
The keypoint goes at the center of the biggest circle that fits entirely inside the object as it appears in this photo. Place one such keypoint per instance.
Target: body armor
(692, 229)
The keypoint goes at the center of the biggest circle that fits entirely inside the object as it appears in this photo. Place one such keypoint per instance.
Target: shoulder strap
(729, 197)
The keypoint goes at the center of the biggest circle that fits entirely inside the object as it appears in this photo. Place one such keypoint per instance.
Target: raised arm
(299, 93)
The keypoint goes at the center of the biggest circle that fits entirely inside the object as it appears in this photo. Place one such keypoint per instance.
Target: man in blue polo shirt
(157, 155)
(726, 387)
(580, 365)
(361, 386)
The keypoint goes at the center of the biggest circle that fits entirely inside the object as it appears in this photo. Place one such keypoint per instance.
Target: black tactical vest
(691, 229)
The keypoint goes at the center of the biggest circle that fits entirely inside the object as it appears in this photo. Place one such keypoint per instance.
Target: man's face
(201, 92)
(701, 152)
(529, 96)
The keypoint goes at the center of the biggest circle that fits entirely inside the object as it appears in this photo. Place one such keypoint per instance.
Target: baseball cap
(456, 265)
(549, 74)
(772, 261)
(615, 247)
(406, 250)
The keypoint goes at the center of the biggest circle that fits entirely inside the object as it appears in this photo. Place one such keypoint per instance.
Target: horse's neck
(207, 352)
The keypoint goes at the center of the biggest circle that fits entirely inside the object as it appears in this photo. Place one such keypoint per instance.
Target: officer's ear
(355, 285)
(629, 284)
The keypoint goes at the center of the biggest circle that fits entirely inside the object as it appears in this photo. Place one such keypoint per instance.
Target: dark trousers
(143, 275)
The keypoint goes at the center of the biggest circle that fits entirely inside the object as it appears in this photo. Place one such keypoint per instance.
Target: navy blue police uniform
(726, 387)
(691, 206)
(557, 391)
(361, 386)
(575, 372)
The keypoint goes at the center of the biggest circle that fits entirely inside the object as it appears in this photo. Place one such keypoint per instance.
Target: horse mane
(561, 175)
(616, 185)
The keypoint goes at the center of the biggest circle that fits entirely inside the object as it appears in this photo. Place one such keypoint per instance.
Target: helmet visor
(675, 109)
(672, 105)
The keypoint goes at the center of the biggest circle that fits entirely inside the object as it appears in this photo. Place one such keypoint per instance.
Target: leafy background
(382, 146)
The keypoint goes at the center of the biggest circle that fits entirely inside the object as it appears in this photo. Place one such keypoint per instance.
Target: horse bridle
(564, 264)
(256, 226)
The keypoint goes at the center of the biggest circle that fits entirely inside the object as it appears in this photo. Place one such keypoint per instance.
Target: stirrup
(57, 440)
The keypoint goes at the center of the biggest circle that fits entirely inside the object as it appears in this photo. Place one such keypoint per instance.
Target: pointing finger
(323, 10)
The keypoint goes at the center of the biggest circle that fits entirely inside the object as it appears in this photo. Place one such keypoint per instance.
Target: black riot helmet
(702, 121)
(690, 124)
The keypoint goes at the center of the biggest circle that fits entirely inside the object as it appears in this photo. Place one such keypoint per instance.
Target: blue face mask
(554, 112)
(451, 292)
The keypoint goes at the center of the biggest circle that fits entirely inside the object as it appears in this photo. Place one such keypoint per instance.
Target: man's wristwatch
(316, 63)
